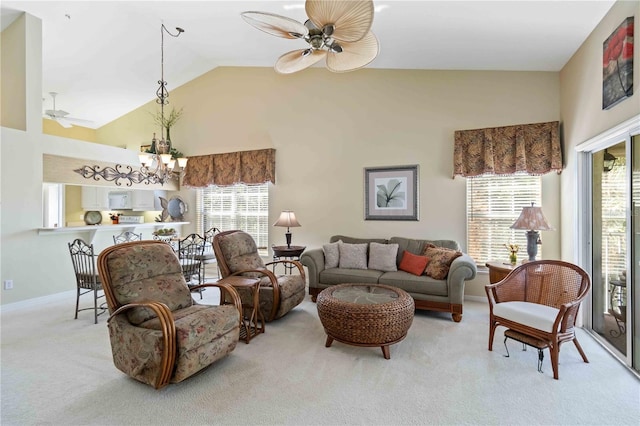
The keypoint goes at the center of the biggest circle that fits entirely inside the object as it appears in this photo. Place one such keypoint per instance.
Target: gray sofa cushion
(341, 276)
(350, 240)
(353, 256)
(415, 284)
(331, 254)
(382, 257)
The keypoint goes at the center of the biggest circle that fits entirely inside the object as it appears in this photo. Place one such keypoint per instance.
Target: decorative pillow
(353, 256)
(382, 257)
(440, 262)
(413, 263)
(331, 254)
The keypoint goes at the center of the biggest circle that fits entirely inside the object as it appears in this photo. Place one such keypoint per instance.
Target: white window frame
(240, 206)
(493, 205)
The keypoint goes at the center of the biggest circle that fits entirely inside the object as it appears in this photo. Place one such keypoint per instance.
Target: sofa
(443, 293)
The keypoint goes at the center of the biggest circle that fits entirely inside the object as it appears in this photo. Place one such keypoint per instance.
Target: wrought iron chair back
(209, 257)
(190, 252)
(126, 237)
(87, 278)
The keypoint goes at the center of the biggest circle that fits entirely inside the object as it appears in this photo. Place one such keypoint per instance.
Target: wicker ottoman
(365, 314)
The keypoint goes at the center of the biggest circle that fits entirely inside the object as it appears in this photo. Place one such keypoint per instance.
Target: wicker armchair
(540, 300)
(237, 254)
(158, 333)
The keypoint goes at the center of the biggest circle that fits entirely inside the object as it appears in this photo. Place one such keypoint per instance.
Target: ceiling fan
(336, 30)
(62, 117)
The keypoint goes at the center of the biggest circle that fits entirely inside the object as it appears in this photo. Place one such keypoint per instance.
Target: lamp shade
(287, 219)
(532, 218)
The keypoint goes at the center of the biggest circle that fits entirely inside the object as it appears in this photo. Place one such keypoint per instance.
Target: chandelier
(158, 166)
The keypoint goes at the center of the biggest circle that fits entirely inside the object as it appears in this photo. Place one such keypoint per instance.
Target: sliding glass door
(610, 240)
(633, 292)
(610, 248)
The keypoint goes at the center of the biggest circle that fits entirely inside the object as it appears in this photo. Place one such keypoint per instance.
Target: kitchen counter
(93, 229)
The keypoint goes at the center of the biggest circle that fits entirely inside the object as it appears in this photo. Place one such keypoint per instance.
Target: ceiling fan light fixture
(334, 27)
(328, 29)
(351, 19)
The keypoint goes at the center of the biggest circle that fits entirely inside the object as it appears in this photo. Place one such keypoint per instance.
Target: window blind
(243, 207)
(493, 205)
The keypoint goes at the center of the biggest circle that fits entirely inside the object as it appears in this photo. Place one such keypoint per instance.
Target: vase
(513, 258)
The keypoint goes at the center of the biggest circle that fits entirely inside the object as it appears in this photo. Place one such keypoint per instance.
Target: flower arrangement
(115, 217)
(513, 252)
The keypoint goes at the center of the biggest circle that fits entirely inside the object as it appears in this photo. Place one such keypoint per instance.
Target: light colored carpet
(58, 371)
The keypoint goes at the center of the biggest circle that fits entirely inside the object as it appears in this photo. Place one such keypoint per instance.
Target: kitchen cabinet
(147, 200)
(95, 198)
(142, 200)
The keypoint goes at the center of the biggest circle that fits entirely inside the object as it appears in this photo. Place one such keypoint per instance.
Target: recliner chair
(237, 254)
(158, 333)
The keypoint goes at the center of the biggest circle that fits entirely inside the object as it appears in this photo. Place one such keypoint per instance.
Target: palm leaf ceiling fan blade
(354, 55)
(298, 60)
(351, 19)
(276, 25)
(336, 29)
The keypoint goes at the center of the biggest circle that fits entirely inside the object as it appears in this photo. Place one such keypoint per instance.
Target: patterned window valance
(530, 148)
(249, 167)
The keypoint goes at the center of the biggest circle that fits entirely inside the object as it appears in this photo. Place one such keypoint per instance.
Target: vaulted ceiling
(103, 58)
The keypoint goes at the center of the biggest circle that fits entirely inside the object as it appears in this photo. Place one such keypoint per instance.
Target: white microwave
(120, 200)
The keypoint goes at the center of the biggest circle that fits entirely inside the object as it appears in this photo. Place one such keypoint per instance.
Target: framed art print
(617, 65)
(391, 193)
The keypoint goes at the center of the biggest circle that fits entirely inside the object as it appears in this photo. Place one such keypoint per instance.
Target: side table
(498, 270)
(252, 322)
(288, 253)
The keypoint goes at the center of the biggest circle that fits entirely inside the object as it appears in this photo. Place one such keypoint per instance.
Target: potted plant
(115, 218)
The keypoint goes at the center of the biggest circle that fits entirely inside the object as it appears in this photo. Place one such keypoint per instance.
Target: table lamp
(532, 219)
(287, 218)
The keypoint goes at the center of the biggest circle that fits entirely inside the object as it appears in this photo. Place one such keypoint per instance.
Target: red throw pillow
(413, 263)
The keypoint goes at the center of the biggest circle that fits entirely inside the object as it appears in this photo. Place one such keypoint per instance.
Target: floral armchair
(158, 333)
(237, 254)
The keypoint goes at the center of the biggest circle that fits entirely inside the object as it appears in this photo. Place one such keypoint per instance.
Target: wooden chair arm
(274, 285)
(225, 288)
(168, 329)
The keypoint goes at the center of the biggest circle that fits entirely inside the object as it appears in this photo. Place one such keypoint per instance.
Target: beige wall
(326, 128)
(51, 127)
(581, 109)
(13, 75)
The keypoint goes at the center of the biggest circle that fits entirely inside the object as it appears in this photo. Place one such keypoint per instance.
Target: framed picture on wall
(617, 65)
(391, 193)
